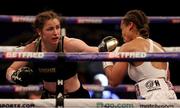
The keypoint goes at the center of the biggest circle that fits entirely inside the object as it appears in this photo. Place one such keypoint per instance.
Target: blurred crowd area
(17, 34)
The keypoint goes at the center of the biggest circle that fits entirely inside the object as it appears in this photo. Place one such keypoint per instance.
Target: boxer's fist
(108, 44)
(23, 76)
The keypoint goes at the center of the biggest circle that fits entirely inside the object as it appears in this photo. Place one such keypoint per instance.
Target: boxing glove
(108, 44)
(23, 76)
(106, 64)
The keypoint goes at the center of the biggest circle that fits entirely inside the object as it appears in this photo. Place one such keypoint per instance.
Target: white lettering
(89, 20)
(127, 55)
(24, 55)
(60, 82)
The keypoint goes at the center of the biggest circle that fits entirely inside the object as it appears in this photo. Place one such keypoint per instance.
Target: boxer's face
(124, 30)
(127, 31)
(50, 33)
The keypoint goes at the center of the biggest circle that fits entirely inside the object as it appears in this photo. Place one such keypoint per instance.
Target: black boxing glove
(108, 44)
(23, 76)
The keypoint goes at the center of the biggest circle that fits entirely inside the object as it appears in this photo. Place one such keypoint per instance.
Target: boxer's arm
(13, 68)
(168, 75)
(77, 45)
(109, 43)
(116, 72)
(106, 64)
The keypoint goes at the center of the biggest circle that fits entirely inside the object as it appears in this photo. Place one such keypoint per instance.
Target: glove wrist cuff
(106, 64)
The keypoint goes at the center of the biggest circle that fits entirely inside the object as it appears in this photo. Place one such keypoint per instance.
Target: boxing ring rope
(17, 48)
(90, 103)
(120, 103)
(90, 56)
(87, 20)
(27, 103)
(93, 87)
(18, 88)
(14, 53)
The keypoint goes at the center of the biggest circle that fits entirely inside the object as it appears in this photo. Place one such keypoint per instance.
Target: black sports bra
(51, 70)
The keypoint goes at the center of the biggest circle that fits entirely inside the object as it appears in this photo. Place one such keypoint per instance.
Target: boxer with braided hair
(152, 78)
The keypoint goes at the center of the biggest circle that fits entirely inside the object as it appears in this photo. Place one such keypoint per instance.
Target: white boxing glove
(106, 64)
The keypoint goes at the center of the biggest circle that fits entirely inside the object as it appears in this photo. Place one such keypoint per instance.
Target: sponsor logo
(24, 55)
(127, 55)
(47, 70)
(23, 19)
(152, 85)
(156, 106)
(82, 20)
(17, 105)
(113, 105)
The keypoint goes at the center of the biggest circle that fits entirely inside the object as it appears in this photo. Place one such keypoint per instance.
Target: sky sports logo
(17, 105)
(113, 105)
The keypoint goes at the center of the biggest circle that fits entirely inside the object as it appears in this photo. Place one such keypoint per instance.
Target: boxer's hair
(42, 17)
(140, 19)
(40, 20)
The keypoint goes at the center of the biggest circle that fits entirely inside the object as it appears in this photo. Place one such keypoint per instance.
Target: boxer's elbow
(113, 83)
